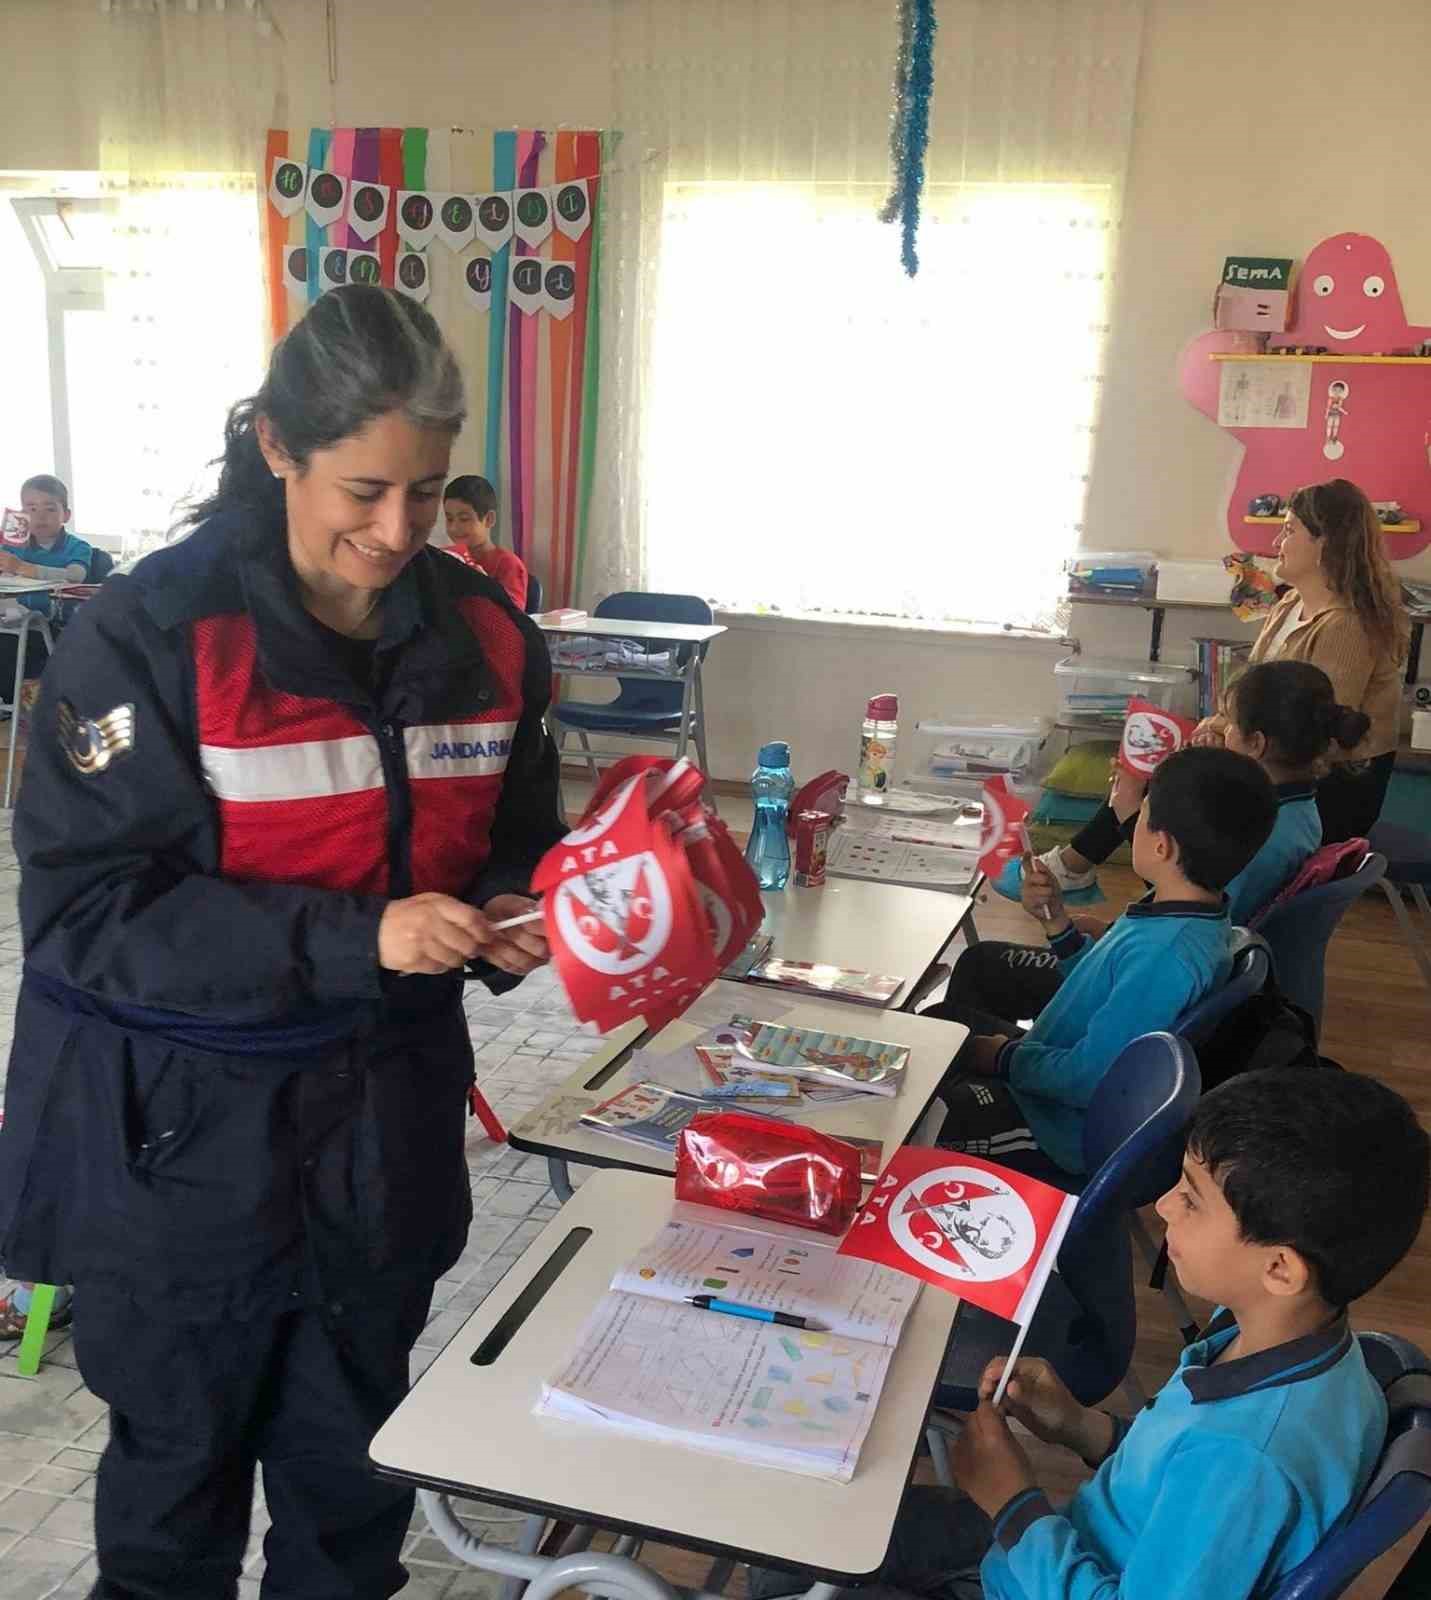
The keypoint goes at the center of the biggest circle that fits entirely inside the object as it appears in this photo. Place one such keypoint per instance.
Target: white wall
(1238, 147)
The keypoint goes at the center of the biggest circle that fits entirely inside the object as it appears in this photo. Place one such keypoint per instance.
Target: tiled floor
(52, 1429)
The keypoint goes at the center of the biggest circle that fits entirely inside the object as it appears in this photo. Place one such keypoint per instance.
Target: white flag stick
(1008, 1371)
(1028, 1304)
(516, 922)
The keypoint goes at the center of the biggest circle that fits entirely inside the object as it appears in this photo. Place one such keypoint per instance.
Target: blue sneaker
(1079, 888)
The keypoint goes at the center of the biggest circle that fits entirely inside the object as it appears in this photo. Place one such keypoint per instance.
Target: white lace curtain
(789, 421)
(195, 86)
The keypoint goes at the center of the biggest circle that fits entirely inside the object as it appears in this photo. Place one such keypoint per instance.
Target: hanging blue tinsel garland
(909, 127)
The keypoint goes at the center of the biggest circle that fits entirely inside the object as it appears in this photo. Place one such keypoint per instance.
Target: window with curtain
(792, 423)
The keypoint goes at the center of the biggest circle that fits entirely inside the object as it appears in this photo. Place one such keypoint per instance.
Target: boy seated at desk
(1206, 814)
(470, 505)
(1301, 1189)
(52, 553)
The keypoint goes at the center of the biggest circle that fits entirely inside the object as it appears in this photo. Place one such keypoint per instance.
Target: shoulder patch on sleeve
(92, 743)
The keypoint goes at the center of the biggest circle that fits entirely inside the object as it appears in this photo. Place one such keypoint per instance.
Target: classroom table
(468, 1429)
(870, 926)
(553, 1130)
(656, 635)
(11, 588)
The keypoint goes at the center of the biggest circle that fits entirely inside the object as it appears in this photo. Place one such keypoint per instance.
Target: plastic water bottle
(771, 785)
(877, 736)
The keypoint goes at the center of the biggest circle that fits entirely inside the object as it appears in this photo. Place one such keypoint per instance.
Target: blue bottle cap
(774, 754)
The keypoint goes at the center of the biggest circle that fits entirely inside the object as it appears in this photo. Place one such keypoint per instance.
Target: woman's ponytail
(1347, 726)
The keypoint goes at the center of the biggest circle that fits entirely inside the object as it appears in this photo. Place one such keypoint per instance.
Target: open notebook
(649, 1364)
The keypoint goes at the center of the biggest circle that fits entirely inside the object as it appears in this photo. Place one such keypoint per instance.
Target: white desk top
(12, 585)
(874, 927)
(469, 1429)
(552, 1129)
(630, 628)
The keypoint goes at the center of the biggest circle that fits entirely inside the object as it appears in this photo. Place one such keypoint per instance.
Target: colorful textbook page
(841, 1059)
(648, 1113)
(856, 1299)
(796, 1399)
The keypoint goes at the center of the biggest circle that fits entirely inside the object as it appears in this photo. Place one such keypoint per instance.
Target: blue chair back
(635, 605)
(1298, 932)
(1407, 852)
(534, 593)
(1251, 967)
(1399, 1494)
(1086, 1322)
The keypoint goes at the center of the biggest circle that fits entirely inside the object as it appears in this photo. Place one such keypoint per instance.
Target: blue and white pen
(709, 1302)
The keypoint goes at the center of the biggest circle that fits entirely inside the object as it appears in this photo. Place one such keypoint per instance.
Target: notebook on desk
(648, 1363)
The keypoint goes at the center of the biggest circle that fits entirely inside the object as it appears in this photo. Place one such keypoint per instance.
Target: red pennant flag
(626, 928)
(1150, 736)
(977, 1230)
(1002, 834)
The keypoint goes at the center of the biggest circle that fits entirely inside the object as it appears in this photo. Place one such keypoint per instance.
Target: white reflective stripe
(458, 749)
(307, 771)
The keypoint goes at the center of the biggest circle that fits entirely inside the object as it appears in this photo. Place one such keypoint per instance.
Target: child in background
(1301, 1190)
(1284, 715)
(1200, 824)
(471, 507)
(52, 552)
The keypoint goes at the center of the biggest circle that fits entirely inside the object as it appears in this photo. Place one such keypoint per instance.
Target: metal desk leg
(21, 640)
(559, 1178)
(528, 1543)
(687, 696)
(700, 728)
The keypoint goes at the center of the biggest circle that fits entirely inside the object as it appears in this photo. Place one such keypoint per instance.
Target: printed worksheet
(775, 1274)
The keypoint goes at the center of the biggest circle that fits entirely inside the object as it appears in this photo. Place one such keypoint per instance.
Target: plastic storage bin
(1132, 574)
(1094, 692)
(1204, 583)
(953, 759)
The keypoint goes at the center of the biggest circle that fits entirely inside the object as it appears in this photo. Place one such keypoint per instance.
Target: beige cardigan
(1335, 640)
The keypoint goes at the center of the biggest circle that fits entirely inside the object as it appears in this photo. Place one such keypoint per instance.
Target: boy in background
(1206, 815)
(470, 504)
(52, 552)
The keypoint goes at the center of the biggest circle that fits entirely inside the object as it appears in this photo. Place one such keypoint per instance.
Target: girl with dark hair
(283, 780)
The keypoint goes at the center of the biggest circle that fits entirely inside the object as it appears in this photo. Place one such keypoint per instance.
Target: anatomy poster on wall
(1254, 395)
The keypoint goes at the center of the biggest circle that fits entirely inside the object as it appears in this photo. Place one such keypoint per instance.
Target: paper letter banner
(559, 288)
(365, 266)
(295, 270)
(326, 194)
(477, 282)
(1150, 736)
(454, 220)
(969, 1227)
(534, 216)
(417, 218)
(368, 209)
(332, 267)
(287, 185)
(573, 208)
(412, 275)
(526, 284)
(494, 220)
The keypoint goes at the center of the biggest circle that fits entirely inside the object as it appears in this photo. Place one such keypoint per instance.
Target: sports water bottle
(877, 736)
(771, 785)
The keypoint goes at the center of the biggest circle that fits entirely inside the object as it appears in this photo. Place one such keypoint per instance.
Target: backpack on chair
(1268, 1030)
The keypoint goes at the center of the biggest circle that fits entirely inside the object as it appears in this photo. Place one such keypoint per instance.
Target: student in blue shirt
(1301, 1189)
(1284, 715)
(52, 552)
(1206, 814)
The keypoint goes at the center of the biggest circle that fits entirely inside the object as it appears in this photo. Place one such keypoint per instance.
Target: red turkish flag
(627, 930)
(1150, 736)
(1002, 835)
(970, 1227)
